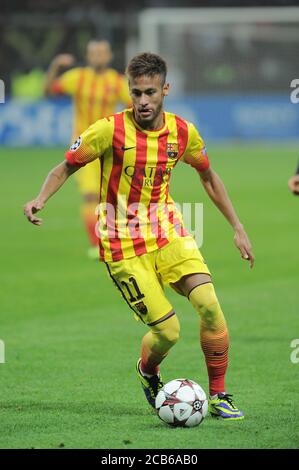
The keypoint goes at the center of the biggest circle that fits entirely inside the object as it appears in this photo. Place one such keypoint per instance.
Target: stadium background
(70, 344)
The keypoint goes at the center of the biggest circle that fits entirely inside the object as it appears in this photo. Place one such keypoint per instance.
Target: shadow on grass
(145, 418)
(77, 407)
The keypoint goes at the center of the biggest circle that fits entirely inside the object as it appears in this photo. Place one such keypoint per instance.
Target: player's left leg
(198, 288)
(181, 265)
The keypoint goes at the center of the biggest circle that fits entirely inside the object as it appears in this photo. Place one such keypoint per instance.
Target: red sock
(215, 347)
(149, 363)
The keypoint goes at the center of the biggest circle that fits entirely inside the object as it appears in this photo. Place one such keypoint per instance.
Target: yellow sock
(213, 334)
(157, 343)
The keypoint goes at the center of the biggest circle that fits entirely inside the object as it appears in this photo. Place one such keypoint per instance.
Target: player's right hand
(294, 184)
(64, 60)
(31, 208)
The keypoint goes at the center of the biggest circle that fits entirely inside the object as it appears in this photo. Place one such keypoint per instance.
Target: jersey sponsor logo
(147, 174)
(172, 150)
(76, 144)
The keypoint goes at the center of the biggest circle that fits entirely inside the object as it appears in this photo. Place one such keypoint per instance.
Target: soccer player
(96, 90)
(293, 183)
(142, 238)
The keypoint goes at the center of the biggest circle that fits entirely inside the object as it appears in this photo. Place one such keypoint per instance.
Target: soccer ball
(182, 402)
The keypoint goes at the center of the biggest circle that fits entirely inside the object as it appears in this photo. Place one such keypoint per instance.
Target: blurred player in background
(96, 90)
(138, 149)
(294, 183)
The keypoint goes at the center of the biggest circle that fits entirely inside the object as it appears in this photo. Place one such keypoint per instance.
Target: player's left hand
(243, 244)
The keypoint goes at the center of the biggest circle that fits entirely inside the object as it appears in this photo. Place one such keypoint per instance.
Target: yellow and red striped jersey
(136, 212)
(95, 95)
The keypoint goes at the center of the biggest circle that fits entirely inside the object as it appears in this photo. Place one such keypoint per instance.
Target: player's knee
(212, 316)
(169, 331)
(205, 301)
(172, 335)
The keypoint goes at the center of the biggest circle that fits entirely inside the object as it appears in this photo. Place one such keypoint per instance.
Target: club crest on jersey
(172, 150)
(141, 307)
(76, 144)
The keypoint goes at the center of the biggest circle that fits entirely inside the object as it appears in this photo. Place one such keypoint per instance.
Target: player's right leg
(141, 288)
(155, 346)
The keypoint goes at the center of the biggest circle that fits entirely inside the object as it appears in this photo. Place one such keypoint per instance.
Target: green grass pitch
(71, 342)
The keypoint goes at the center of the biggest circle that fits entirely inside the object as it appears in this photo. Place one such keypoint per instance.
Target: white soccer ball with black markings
(182, 402)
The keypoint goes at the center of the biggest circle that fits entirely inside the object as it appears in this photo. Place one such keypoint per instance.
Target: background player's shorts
(88, 178)
(141, 279)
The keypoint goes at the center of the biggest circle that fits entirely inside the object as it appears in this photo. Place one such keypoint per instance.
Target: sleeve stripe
(70, 157)
(203, 165)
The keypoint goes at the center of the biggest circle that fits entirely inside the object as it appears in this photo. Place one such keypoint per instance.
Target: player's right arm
(53, 85)
(55, 179)
(90, 145)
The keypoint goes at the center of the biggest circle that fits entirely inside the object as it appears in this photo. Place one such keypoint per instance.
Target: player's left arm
(216, 191)
(195, 155)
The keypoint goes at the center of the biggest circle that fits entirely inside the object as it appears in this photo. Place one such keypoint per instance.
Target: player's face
(99, 54)
(147, 96)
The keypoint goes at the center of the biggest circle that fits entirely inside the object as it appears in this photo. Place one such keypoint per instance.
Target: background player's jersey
(136, 213)
(95, 95)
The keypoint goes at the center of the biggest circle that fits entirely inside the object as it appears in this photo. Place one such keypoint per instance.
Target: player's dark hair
(147, 64)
